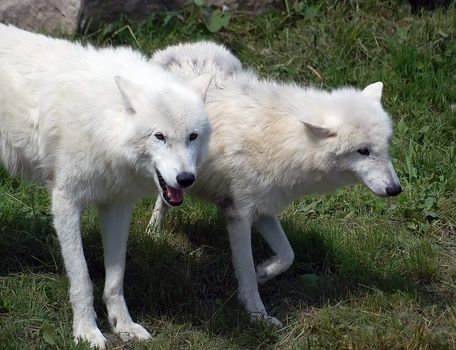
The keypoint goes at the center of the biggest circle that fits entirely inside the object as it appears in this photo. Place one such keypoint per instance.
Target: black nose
(393, 190)
(185, 179)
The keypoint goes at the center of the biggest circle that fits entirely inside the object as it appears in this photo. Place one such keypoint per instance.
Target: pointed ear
(129, 91)
(374, 91)
(200, 85)
(319, 131)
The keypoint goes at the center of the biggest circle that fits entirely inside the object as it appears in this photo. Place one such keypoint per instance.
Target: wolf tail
(189, 60)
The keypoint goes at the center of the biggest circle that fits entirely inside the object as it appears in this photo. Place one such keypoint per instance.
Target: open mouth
(171, 195)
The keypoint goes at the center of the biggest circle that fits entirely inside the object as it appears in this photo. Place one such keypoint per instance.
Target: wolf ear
(201, 84)
(129, 91)
(319, 131)
(374, 91)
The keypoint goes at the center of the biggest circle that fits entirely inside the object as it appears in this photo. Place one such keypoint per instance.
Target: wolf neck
(266, 115)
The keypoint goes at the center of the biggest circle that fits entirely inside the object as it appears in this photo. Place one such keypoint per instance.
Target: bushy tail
(190, 60)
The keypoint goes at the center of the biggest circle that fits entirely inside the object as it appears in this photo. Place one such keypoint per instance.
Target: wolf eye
(364, 151)
(193, 136)
(160, 136)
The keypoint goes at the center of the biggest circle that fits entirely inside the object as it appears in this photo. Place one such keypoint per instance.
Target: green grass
(370, 273)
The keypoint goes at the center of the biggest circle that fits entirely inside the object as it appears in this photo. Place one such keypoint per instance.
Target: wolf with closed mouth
(273, 143)
(100, 126)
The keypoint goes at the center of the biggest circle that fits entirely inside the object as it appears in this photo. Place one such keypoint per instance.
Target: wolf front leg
(158, 215)
(239, 229)
(115, 224)
(271, 230)
(67, 222)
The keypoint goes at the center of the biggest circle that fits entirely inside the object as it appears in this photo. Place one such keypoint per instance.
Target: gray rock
(139, 9)
(254, 6)
(66, 16)
(49, 16)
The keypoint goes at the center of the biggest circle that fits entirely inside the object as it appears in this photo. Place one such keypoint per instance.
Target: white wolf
(99, 126)
(273, 143)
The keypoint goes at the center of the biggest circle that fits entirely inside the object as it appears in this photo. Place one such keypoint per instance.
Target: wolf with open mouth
(99, 126)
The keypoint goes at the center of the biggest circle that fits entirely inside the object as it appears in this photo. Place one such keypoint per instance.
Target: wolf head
(356, 131)
(168, 133)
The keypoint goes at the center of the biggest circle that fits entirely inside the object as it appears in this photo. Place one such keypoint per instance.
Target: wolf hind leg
(271, 230)
(239, 229)
(155, 225)
(115, 223)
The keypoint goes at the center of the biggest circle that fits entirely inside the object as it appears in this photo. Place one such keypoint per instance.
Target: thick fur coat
(99, 126)
(274, 142)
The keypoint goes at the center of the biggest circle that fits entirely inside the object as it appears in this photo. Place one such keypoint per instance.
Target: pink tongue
(174, 194)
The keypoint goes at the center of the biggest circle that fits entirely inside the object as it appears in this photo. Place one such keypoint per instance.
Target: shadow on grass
(186, 276)
(28, 244)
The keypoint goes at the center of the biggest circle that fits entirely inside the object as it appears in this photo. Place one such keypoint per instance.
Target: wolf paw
(155, 226)
(93, 336)
(264, 317)
(131, 331)
(153, 230)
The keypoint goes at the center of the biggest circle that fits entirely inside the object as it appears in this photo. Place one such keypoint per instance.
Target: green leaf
(402, 127)
(310, 11)
(48, 333)
(429, 203)
(199, 3)
(309, 208)
(215, 20)
(301, 9)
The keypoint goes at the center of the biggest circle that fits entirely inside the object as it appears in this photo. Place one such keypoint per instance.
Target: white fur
(273, 143)
(82, 121)
(191, 60)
